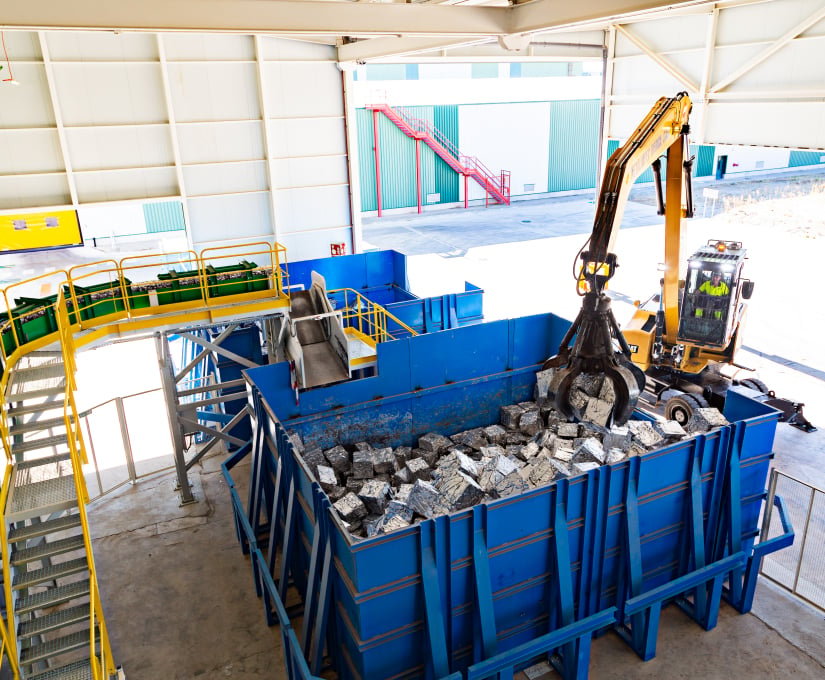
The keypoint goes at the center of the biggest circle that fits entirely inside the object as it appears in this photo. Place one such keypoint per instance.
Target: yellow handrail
(370, 317)
(9, 641)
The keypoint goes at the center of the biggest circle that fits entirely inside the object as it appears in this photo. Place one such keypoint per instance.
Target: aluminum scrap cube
(495, 469)
(670, 429)
(615, 455)
(402, 476)
(388, 524)
(427, 501)
(402, 454)
(495, 434)
(529, 450)
(564, 455)
(543, 380)
(590, 449)
(383, 462)
(510, 485)
(530, 422)
(618, 437)
(403, 493)
(313, 458)
(562, 469)
(568, 430)
(543, 472)
(705, 419)
(434, 442)
(296, 441)
(362, 446)
(338, 458)
(460, 491)
(362, 464)
(400, 508)
(509, 416)
(354, 484)
(350, 508)
(586, 466)
(474, 438)
(644, 433)
(545, 438)
(516, 437)
(578, 399)
(598, 411)
(327, 477)
(375, 496)
(608, 392)
(418, 469)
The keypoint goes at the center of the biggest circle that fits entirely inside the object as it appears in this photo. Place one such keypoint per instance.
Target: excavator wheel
(755, 384)
(679, 406)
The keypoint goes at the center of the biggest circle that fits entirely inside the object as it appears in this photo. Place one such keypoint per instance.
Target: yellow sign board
(35, 231)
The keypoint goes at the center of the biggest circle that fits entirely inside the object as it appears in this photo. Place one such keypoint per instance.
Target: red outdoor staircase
(496, 187)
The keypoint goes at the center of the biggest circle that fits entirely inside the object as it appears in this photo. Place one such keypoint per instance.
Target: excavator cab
(708, 313)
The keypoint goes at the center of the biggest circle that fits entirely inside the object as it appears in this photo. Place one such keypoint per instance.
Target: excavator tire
(679, 406)
(755, 384)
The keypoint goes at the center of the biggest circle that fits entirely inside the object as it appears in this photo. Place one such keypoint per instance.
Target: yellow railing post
(10, 641)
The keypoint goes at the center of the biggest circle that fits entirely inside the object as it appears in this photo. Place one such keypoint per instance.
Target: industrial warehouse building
(266, 263)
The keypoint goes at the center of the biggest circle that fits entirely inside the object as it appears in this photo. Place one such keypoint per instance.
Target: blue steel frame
(601, 559)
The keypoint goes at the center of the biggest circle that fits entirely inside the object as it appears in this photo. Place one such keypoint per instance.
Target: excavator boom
(663, 131)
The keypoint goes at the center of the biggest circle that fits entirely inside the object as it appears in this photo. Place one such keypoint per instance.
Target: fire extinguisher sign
(337, 249)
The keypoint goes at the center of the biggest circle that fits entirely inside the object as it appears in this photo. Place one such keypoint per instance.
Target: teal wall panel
(366, 160)
(805, 158)
(574, 144)
(165, 216)
(445, 119)
(703, 166)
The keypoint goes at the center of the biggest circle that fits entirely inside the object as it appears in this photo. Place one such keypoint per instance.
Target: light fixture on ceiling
(11, 80)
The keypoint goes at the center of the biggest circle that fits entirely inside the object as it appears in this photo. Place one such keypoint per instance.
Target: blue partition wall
(493, 587)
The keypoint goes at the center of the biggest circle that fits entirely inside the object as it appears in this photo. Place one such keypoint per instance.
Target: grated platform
(51, 573)
(41, 498)
(49, 622)
(44, 550)
(51, 597)
(43, 380)
(77, 670)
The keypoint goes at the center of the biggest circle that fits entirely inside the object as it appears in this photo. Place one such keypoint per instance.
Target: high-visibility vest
(710, 289)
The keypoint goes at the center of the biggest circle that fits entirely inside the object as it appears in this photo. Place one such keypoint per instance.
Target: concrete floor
(178, 593)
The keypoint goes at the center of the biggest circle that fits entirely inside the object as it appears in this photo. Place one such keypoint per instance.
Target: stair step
(43, 528)
(38, 381)
(42, 443)
(51, 573)
(51, 597)
(36, 425)
(51, 648)
(49, 622)
(77, 670)
(40, 407)
(43, 550)
(41, 487)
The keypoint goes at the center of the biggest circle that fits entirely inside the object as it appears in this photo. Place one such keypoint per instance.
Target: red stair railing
(497, 186)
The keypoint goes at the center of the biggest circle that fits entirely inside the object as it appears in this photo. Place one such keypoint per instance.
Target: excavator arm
(588, 347)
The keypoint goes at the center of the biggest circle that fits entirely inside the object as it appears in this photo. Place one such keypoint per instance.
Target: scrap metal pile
(378, 489)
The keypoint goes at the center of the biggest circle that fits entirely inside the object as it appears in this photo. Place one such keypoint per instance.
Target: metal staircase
(55, 627)
(495, 186)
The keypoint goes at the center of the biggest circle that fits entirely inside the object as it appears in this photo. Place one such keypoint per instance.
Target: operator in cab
(714, 287)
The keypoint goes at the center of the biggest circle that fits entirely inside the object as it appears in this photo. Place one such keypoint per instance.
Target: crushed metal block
(589, 383)
(636, 449)
(383, 462)
(545, 438)
(375, 496)
(313, 458)
(587, 466)
(460, 490)
(568, 430)
(530, 423)
(327, 477)
(618, 437)
(543, 472)
(402, 455)
(510, 485)
(297, 442)
(495, 469)
(552, 418)
(338, 458)
(562, 469)
(518, 462)
(427, 501)
(362, 464)
(564, 455)
(418, 469)
(354, 484)
(463, 448)
(705, 419)
(383, 478)
(644, 433)
(434, 442)
(495, 434)
(400, 508)
(529, 450)
(402, 476)
(615, 455)
(371, 524)
(350, 508)
(607, 392)
(509, 416)
(362, 446)
(590, 450)
(578, 399)
(431, 458)
(389, 524)
(591, 429)
(516, 438)
(474, 438)
(527, 405)
(670, 430)
(492, 452)
(543, 380)
(598, 411)
(403, 493)
(336, 493)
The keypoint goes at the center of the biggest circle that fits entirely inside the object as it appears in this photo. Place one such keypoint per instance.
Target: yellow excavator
(672, 349)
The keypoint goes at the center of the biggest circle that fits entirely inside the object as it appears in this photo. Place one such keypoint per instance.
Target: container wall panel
(292, 173)
(574, 143)
(224, 141)
(123, 185)
(99, 148)
(113, 93)
(28, 104)
(163, 216)
(101, 46)
(225, 178)
(21, 191)
(512, 137)
(290, 138)
(799, 158)
(26, 151)
(214, 91)
(208, 47)
(311, 208)
(220, 219)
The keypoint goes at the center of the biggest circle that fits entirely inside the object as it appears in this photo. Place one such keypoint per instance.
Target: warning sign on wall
(36, 231)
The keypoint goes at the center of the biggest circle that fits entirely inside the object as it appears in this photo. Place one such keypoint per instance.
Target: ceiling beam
(395, 46)
(257, 16)
(659, 59)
